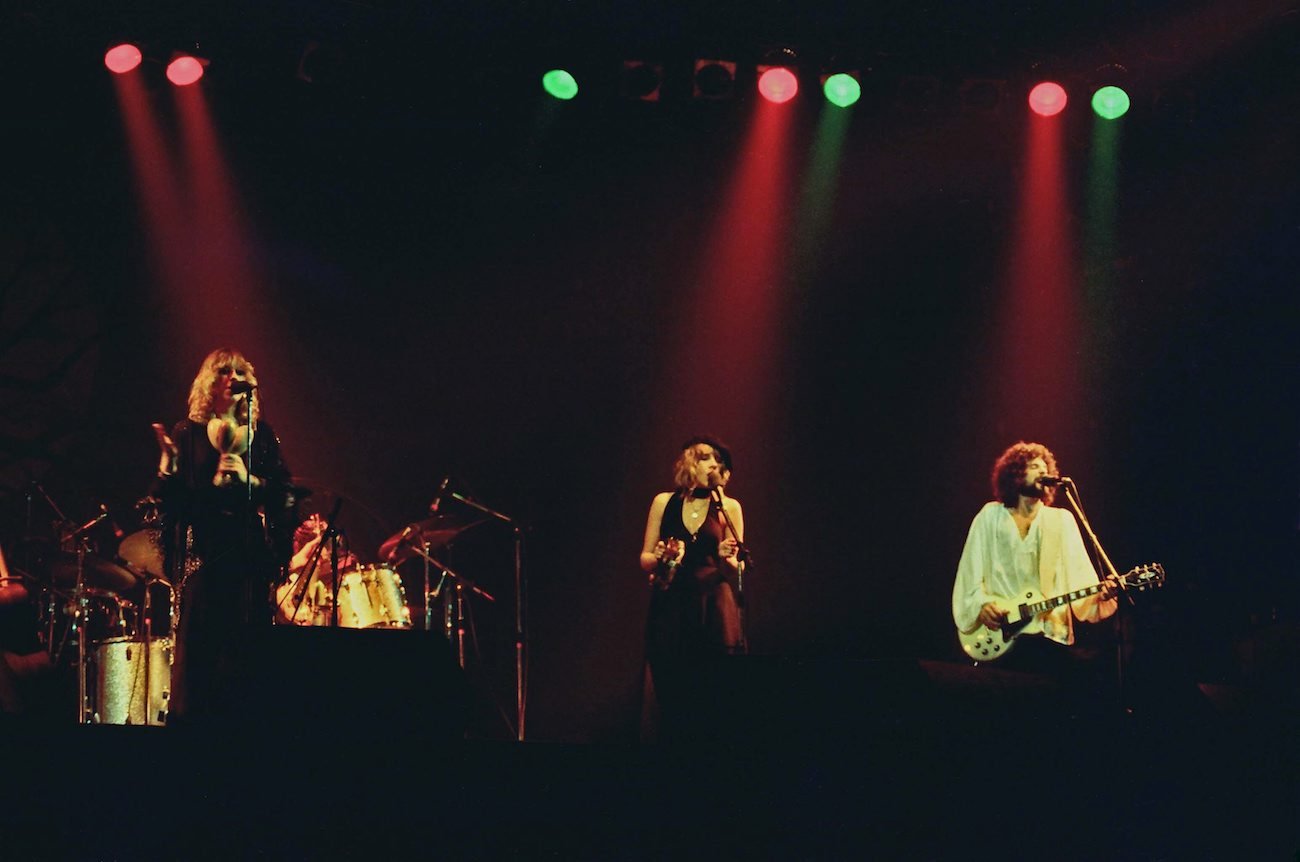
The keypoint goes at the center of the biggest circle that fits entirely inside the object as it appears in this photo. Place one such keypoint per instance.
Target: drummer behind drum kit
(372, 595)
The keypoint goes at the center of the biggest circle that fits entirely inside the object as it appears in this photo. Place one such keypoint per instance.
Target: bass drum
(372, 597)
(123, 688)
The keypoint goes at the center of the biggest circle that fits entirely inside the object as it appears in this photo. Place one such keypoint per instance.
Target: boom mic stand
(521, 601)
(743, 558)
(1072, 498)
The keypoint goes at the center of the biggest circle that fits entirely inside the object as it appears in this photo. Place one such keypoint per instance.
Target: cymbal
(431, 533)
(98, 573)
(142, 552)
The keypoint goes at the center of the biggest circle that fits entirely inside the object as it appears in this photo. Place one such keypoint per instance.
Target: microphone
(1052, 481)
(437, 498)
(401, 540)
(113, 525)
(103, 513)
(241, 387)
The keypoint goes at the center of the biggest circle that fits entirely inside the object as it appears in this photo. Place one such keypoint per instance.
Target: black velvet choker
(700, 493)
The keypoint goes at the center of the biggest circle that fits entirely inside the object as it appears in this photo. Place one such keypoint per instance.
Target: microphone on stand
(241, 387)
(401, 540)
(1052, 481)
(113, 525)
(437, 498)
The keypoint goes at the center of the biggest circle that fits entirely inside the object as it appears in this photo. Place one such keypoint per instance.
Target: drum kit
(107, 610)
(107, 619)
(372, 595)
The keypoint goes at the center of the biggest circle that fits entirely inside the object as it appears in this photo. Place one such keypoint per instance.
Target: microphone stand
(249, 510)
(744, 560)
(1072, 498)
(304, 579)
(331, 535)
(521, 602)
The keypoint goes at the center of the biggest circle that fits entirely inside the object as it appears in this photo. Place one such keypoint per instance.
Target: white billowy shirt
(1050, 559)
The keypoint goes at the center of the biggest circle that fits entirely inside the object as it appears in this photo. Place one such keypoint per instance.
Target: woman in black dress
(691, 558)
(227, 514)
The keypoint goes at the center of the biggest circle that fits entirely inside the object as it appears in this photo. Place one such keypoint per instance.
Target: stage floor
(942, 780)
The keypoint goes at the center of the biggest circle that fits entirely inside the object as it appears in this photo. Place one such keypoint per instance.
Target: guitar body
(1026, 612)
(985, 644)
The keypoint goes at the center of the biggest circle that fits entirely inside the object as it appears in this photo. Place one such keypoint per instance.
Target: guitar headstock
(1145, 577)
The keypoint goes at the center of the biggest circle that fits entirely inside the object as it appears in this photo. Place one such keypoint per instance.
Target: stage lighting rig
(842, 88)
(714, 80)
(641, 80)
(123, 57)
(777, 75)
(1109, 85)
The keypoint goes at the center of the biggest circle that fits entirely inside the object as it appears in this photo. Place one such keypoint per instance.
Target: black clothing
(224, 551)
(696, 619)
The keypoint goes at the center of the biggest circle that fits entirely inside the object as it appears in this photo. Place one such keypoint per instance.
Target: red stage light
(778, 85)
(1047, 99)
(184, 70)
(122, 58)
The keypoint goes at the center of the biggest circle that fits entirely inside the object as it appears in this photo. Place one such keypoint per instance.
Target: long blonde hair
(201, 389)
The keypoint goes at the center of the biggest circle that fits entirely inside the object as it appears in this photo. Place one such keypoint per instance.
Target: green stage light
(842, 89)
(560, 84)
(1110, 103)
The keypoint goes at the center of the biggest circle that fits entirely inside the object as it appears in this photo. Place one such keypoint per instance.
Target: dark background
(454, 277)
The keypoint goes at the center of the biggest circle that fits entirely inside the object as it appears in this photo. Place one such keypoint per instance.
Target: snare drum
(372, 597)
(120, 686)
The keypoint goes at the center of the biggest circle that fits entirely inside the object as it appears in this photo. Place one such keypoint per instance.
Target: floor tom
(127, 693)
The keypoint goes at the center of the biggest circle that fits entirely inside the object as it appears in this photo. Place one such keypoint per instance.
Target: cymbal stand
(81, 613)
(429, 594)
(146, 628)
(51, 595)
(459, 582)
(521, 602)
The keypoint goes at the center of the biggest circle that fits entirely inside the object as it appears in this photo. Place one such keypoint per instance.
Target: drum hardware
(521, 601)
(454, 627)
(429, 534)
(68, 567)
(80, 591)
(150, 511)
(422, 539)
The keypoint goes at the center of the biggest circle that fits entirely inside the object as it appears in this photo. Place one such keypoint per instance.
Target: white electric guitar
(1028, 611)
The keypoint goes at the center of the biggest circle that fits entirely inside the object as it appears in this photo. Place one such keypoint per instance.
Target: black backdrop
(457, 282)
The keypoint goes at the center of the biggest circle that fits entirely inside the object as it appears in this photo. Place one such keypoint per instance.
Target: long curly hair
(201, 389)
(1009, 471)
(684, 466)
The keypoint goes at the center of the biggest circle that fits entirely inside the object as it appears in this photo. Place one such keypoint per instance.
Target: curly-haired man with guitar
(1024, 569)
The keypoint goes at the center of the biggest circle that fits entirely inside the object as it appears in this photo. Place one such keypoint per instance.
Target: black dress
(695, 620)
(224, 552)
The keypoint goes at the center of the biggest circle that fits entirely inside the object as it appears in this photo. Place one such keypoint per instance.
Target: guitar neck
(1032, 610)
